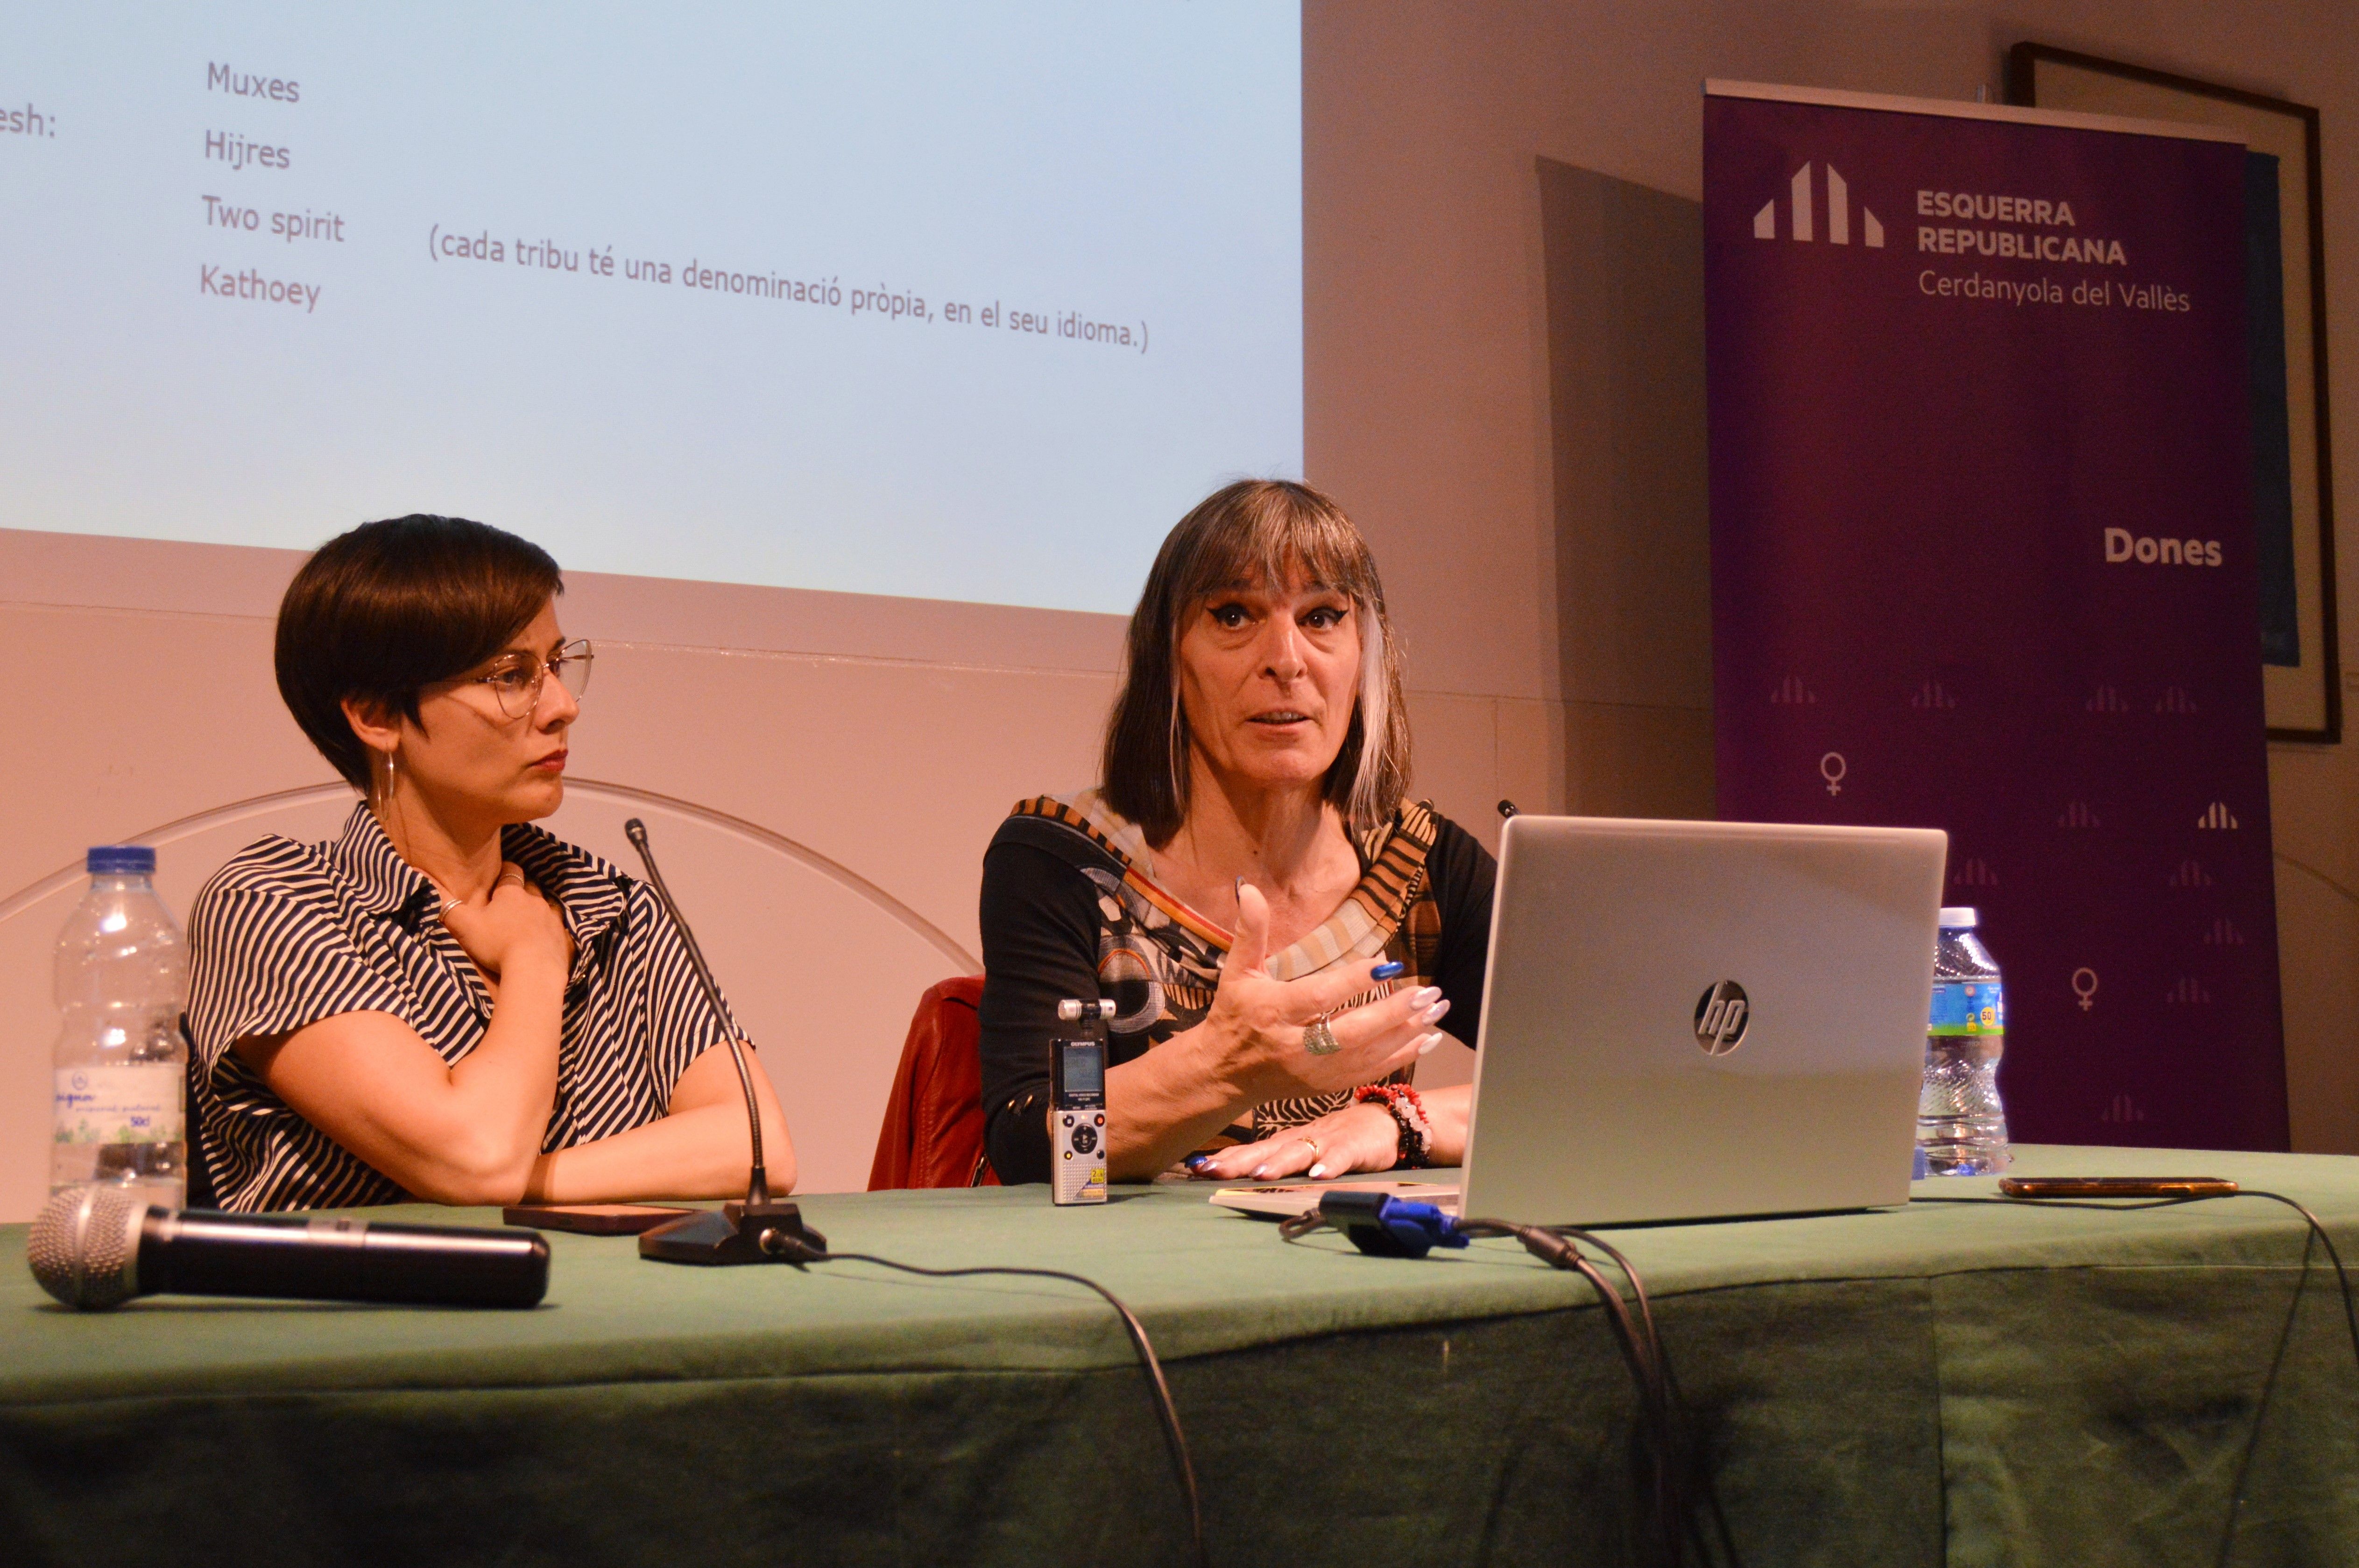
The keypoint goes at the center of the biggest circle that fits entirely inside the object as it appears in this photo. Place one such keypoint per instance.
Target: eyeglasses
(517, 679)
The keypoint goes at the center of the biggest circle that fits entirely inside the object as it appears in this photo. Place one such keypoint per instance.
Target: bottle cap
(1960, 919)
(120, 860)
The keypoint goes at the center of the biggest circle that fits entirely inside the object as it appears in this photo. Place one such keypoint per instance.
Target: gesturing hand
(1258, 1023)
(514, 921)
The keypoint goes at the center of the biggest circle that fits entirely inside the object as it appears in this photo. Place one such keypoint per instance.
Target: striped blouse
(289, 934)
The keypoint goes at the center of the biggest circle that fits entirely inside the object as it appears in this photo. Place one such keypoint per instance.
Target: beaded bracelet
(1414, 1103)
(1408, 1110)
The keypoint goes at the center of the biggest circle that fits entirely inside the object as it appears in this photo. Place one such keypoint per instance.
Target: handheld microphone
(739, 1233)
(96, 1247)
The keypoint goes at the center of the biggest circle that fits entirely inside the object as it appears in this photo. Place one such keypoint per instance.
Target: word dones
(2121, 546)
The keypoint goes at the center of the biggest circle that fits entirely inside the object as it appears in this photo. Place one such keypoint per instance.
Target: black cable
(1675, 1411)
(1637, 1286)
(2316, 1236)
(2261, 1406)
(1662, 1409)
(2317, 1229)
(1296, 1227)
(1660, 1451)
(1674, 1406)
(1182, 1467)
(1658, 1442)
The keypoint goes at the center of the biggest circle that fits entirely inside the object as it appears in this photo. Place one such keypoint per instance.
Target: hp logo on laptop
(1721, 1016)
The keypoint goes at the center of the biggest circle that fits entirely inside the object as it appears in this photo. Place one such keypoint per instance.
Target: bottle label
(1968, 1007)
(138, 1104)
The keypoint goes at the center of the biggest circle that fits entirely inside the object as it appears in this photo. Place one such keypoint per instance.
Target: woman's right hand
(511, 927)
(457, 1132)
(1255, 1024)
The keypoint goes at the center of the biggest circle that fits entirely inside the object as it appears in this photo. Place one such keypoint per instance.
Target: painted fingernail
(1431, 1041)
(1425, 996)
(1391, 969)
(1317, 1172)
(1197, 1162)
(1433, 1014)
(1259, 1171)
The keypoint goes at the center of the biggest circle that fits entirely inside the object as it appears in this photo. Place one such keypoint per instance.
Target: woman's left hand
(1358, 1137)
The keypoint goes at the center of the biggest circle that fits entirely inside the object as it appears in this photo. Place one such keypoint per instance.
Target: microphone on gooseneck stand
(748, 1232)
(762, 1230)
(99, 1245)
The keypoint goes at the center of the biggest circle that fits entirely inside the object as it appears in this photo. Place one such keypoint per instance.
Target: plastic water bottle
(1960, 1127)
(122, 971)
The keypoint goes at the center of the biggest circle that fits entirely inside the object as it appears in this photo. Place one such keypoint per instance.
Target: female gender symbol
(1831, 768)
(2086, 992)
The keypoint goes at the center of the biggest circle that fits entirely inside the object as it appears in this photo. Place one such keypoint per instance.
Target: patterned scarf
(1160, 960)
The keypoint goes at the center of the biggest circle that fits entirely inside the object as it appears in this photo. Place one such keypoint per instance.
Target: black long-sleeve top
(1059, 920)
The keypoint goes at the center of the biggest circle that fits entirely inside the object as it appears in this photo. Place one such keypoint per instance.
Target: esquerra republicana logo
(2029, 228)
(2001, 227)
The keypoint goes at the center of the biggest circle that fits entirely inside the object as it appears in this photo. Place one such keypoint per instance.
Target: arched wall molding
(753, 833)
(2348, 894)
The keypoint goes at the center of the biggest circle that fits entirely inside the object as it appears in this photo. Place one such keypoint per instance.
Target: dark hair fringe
(1253, 530)
(382, 611)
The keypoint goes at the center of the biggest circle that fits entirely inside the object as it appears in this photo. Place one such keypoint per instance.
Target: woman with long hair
(1283, 933)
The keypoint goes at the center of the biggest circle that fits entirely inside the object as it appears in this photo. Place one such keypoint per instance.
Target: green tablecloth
(1945, 1383)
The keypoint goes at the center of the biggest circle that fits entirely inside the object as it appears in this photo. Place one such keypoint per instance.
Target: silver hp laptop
(1693, 1020)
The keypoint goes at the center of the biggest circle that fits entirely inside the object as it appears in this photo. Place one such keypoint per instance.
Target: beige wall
(1521, 451)
(821, 772)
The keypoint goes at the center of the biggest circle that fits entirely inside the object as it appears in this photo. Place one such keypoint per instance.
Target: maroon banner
(1984, 559)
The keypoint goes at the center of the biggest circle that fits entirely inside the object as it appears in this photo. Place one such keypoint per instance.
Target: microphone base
(733, 1234)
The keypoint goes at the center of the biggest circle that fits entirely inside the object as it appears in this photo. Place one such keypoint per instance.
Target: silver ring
(1311, 1143)
(1319, 1040)
(450, 905)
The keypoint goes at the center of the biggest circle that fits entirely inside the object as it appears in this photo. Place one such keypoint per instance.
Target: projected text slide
(952, 301)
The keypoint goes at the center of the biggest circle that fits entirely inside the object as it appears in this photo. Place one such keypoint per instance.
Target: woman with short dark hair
(1281, 932)
(448, 1003)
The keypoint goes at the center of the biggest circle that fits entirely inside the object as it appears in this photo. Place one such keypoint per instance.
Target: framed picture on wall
(2286, 292)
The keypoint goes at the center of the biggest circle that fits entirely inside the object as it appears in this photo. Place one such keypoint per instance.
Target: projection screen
(952, 301)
